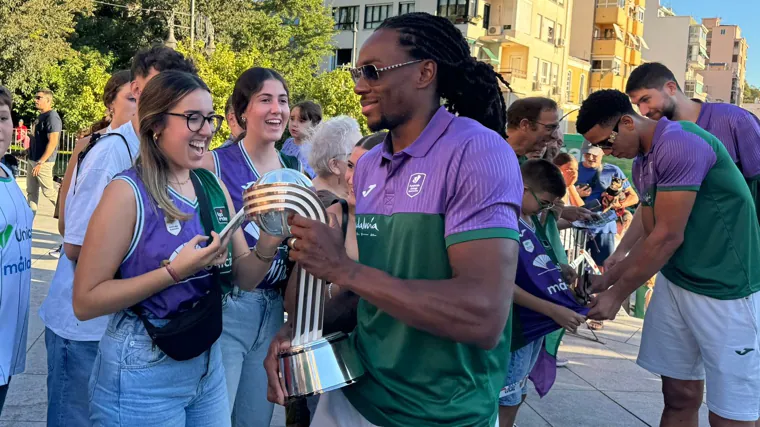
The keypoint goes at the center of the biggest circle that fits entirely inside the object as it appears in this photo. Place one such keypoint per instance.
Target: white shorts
(334, 410)
(688, 336)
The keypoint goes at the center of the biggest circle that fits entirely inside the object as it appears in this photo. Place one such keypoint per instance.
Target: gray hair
(331, 139)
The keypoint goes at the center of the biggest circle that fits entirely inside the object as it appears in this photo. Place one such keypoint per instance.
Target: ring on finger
(292, 243)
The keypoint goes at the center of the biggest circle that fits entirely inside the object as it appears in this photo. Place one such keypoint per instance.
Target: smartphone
(603, 219)
(233, 225)
(593, 205)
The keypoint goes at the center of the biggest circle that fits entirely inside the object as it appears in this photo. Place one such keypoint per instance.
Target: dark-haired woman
(260, 101)
(147, 260)
(303, 117)
(436, 228)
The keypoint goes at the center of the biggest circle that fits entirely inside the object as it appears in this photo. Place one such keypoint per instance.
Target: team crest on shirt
(414, 187)
(174, 227)
(528, 245)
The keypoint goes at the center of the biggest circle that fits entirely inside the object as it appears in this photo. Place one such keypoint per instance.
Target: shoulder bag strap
(93, 140)
(204, 208)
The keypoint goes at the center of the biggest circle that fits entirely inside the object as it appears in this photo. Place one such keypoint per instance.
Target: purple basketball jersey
(155, 241)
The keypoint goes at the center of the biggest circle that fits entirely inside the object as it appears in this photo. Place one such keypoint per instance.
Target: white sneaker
(561, 363)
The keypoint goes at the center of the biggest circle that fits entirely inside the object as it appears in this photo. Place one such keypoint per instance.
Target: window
(597, 32)
(535, 69)
(610, 3)
(735, 58)
(545, 70)
(375, 15)
(555, 76)
(605, 65)
(456, 10)
(582, 89)
(405, 7)
(486, 15)
(559, 34)
(723, 32)
(538, 25)
(569, 86)
(345, 17)
(341, 57)
(548, 30)
(639, 14)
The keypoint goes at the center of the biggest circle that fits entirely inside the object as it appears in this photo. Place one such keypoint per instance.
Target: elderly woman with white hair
(329, 147)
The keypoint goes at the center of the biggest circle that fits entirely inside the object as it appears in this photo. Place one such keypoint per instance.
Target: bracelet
(243, 255)
(173, 273)
(329, 290)
(263, 258)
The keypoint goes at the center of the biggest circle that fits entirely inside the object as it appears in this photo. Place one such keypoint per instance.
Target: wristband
(173, 273)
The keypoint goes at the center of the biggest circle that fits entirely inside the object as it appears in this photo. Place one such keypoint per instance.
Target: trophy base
(319, 366)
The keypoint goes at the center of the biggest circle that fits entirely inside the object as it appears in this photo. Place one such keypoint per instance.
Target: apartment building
(524, 40)
(616, 43)
(726, 67)
(685, 49)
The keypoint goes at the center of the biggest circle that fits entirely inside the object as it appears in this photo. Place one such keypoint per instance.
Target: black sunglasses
(195, 121)
(607, 143)
(372, 73)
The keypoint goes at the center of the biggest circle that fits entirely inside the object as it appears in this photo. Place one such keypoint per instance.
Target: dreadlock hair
(651, 75)
(603, 108)
(470, 87)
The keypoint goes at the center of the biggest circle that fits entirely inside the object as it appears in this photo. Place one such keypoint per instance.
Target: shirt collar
(704, 114)
(429, 136)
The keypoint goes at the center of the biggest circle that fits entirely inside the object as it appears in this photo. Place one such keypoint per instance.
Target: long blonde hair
(160, 95)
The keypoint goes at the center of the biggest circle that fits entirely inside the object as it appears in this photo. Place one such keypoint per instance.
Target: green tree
(750, 93)
(33, 37)
(78, 84)
(334, 91)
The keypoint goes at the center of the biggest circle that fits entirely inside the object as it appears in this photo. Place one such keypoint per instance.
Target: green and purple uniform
(722, 236)
(456, 183)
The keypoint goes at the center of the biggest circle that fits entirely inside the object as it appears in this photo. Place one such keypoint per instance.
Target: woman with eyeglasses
(152, 259)
(261, 103)
(330, 147)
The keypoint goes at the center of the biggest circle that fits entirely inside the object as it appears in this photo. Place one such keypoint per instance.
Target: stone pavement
(602, 385)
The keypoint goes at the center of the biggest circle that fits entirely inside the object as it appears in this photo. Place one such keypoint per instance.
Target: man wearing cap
(594, 178)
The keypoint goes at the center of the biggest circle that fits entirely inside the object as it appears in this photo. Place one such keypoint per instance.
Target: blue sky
(743, 13)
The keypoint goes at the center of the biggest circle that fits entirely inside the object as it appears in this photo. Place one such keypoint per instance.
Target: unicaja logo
(366, 227)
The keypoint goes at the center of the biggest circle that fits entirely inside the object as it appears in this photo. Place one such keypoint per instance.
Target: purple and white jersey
(738, 130)
(155, 241)
(538, 275)
(237, 171)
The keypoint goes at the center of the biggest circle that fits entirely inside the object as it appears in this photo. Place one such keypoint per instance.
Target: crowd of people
(445, 256)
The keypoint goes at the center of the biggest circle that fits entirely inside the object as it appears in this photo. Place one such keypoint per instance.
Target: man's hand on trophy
(319, 248)
(275, 383)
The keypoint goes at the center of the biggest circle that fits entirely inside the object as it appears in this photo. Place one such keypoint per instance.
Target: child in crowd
(543, 299)
(16, 259)
(304, 116)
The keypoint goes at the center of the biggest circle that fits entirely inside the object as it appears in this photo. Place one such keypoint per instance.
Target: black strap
(93, 140)
(344, 224)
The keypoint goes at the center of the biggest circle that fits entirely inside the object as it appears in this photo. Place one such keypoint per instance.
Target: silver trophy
(314, 364)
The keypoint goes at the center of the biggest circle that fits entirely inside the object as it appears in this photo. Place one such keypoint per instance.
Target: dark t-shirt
(46, 124)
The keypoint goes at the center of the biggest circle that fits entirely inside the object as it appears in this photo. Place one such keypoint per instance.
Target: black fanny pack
(191, 332)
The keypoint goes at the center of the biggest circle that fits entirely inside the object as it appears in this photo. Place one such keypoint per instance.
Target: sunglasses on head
(372, 73)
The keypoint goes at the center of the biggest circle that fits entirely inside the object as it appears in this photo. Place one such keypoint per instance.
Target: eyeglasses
(543, 205)
(551, 127)
(372, 73)
(195, 121)
(607, 143)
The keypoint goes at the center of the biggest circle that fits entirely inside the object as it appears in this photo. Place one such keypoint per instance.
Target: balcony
(608, 47)
(697, 62)
(511, 74)
(634, 57)
(638, 27)
(606, 79)
(611, 15)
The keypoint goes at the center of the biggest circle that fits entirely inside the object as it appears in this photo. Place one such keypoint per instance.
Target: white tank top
(15, 276)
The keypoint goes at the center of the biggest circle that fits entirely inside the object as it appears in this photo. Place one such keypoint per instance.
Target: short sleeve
(682, 162)
(55, 123)
(747, 135)
(485, 200)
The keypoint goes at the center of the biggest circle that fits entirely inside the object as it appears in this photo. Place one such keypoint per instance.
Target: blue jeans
(69, 367)
(521, 362)
(601, 247)
(251, 320)
(134, 383)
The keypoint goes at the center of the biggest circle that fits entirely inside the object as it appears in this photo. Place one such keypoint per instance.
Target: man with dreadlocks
(436, 226)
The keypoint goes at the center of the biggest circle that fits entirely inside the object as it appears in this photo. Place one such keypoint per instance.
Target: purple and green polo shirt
(739, 131)
(457, 182)
(722, 237)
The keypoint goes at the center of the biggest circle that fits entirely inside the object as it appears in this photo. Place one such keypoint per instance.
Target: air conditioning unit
(495, 30)
(560, 42)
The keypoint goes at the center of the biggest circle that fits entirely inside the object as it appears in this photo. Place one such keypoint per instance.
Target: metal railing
(66, 144)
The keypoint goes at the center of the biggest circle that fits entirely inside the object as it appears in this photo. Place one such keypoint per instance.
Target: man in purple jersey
(653, 88)
(436, 228)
